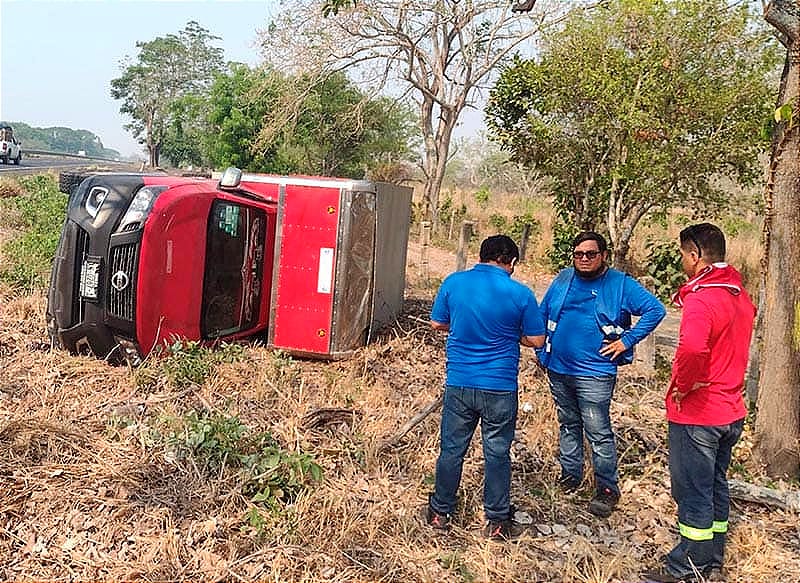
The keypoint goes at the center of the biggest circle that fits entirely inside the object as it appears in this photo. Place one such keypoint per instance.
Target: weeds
(37, 211)
(268, 474)
(455, 562)
(186, 363)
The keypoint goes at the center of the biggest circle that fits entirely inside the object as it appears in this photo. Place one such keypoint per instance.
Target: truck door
(234, 269)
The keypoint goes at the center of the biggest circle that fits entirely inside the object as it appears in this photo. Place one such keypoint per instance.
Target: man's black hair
(708, 239)
(499, 248)
(591, 236)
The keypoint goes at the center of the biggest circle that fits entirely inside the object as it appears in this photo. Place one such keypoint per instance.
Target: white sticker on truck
(325, 275)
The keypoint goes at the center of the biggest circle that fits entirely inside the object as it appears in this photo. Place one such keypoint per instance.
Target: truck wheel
(4, 159)
(69, 181)
(18, 159)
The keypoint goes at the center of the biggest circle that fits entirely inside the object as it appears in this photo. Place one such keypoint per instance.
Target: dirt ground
(91, 488)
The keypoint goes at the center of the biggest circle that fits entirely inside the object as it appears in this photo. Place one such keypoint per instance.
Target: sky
(57, 58)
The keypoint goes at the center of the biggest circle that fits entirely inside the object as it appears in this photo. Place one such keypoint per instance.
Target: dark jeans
(462, 409)
(583, 406)
(698, 463)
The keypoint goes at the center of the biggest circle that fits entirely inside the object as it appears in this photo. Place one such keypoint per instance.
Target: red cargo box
(339, 267)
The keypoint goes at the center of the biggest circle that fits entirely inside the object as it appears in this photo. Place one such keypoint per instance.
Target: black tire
(18, 159)
(69, 181)
(4, 159)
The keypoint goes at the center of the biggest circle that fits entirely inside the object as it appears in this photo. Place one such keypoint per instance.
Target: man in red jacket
(705, 408)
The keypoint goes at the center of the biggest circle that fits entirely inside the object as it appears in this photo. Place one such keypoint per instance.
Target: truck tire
(69, 181)
(18, 159)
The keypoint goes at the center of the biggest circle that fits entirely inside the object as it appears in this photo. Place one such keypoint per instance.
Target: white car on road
(10, 147)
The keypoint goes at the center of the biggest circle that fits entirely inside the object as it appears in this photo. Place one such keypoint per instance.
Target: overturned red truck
(313, 265)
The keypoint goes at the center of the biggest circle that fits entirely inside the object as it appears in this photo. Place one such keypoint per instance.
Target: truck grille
(122, 269)
(81, 250)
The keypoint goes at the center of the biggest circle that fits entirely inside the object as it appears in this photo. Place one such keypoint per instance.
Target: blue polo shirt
(488, 313)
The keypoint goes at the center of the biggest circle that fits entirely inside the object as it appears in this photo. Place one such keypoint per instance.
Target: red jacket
(713, 347)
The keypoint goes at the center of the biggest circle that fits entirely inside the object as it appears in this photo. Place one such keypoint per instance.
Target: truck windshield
(234, 269)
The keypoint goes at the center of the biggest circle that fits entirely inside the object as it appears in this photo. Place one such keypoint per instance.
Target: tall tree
(638, 108)
(265, 120)
(440, 53)
(778, 418)
(166, 69)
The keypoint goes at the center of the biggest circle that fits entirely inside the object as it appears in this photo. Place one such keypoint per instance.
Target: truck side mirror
(230, 178)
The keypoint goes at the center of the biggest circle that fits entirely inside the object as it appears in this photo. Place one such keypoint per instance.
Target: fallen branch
(411, 423)
(785, 500)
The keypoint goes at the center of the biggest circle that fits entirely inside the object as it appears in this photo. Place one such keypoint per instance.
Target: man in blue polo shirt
(487, 315)
(588, 310)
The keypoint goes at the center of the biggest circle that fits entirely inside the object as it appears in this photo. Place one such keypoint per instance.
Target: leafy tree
(235, 114)
(439, 53)
(266, 121)
(186, 131)
(639, 107)
(778, 419)
(166, 70)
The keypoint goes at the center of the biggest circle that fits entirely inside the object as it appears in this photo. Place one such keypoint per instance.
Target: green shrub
(560, 254)
(664, 266)
(498, 221)
(38, 214)
(482, 197)
(268, 473)
(184, 363)
(277, 474)
(517, 226)
(449, 211)
(212, 439)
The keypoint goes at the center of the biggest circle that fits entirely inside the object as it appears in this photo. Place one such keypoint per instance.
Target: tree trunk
(437, 149)
(621, 232)
(778, 420)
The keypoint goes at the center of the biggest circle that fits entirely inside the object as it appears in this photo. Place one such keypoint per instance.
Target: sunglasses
(588, 254)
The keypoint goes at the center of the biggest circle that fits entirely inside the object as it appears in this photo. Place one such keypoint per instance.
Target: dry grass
(742, 224)
(90, 492)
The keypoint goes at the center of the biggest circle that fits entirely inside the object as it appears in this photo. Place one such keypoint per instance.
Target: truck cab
(146, 259)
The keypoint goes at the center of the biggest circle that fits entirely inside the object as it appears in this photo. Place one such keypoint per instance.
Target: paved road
(34, 164)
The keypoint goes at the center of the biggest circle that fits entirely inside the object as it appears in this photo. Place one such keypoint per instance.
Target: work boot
(568, 484)
(437, 520)
(502, 530)
(604, 502)
(663, 575)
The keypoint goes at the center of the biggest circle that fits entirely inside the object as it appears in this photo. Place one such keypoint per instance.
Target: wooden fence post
(425, 240)
(523, 244)
(463, 244)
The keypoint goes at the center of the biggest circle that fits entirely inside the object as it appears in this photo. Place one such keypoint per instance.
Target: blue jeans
(463, 407)
(699, 457)
(582, 404)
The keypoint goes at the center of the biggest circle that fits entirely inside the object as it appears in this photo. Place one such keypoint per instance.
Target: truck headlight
(139, 208)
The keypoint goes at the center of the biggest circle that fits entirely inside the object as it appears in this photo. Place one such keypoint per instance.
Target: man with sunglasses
(705, 408)
(587, 310)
